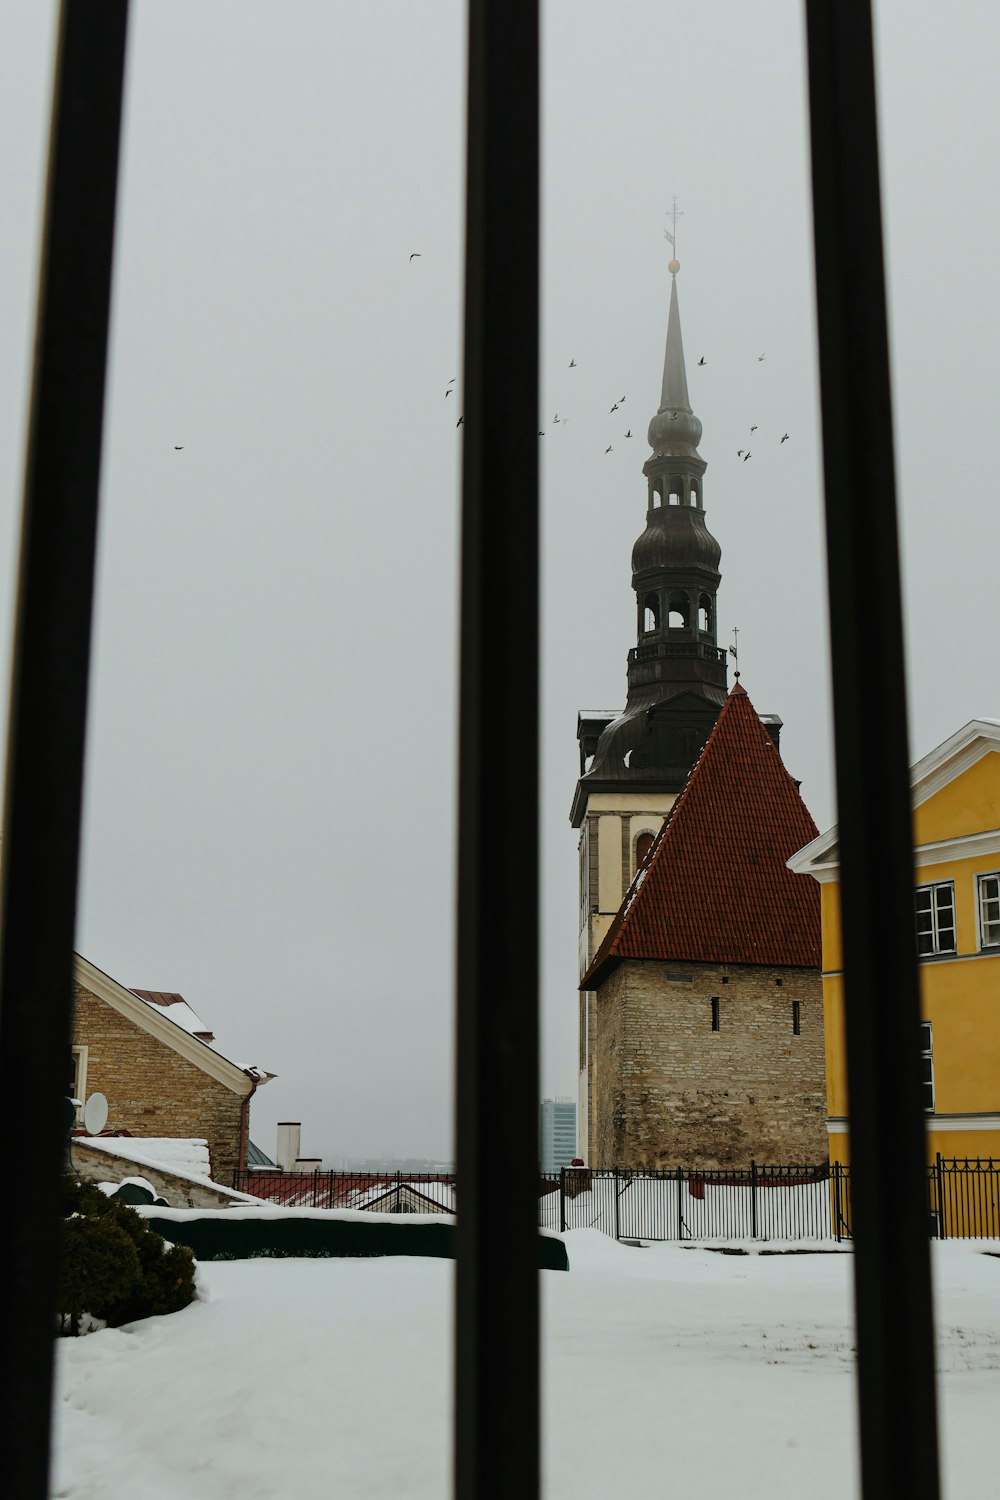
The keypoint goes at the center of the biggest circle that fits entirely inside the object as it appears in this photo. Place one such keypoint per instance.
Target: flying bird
(745, 457)
(739, 453)
(540, 433)
(448, 392)
(621, 398)
(784, 439)
(759, 358)
(178, 447)
(754, 427)
(557, 418)
(629, 433)
(415, 255)
(702, 360)
(614, 408)
(608, 448)
(572, 364)
(460, 421)
(452, 380)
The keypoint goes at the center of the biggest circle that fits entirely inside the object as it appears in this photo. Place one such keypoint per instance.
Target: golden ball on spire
(673, 267)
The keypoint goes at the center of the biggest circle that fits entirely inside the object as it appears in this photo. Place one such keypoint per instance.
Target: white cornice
(841, 1126)
(963, 749)
(150, 1020)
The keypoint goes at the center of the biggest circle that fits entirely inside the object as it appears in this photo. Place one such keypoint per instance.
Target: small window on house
(934, 907)
(927, 1066)
(796, 1018)
(78, 1078)
(989, 911)
(715, 1013)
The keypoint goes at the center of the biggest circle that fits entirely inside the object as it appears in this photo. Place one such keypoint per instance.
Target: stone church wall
(669, 1091)
(151, 1090)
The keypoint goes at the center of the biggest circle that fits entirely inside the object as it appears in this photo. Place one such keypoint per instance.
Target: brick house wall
(152, 1090)
(669, 1091)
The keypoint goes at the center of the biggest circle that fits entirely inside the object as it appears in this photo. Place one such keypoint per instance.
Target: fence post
(618, 1226)
(562, 1200)
(836, 1202)
(680, 1216)
(939, 1184)
(753, 1200)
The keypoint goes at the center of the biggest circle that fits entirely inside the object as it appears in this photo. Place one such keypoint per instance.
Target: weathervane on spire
(671, 234)
(735, 653)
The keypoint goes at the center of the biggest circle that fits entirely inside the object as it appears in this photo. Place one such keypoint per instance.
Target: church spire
(675, 429)
(676, 670)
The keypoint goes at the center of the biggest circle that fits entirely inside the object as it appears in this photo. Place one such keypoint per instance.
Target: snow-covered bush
(114, 1268)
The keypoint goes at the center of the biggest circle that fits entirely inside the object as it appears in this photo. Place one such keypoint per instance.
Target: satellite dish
(95, 1114)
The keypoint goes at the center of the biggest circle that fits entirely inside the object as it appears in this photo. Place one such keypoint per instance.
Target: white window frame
(927, 1056)
(993, 898)
(79, 1055)
(936, 950)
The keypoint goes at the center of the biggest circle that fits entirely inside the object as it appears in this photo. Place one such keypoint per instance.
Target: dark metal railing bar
(496, 1452)
(46, 726)
(898, 1424)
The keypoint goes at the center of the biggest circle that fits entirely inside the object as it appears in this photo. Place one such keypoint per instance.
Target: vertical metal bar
(753, 1200)
(941, 1230)
(45, 735)
(898, 1427)
(496, 1329)
(562, 1200)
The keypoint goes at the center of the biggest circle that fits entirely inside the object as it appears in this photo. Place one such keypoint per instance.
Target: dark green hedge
(238, 1238)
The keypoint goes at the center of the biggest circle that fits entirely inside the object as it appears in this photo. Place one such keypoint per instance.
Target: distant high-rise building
(556, 1134)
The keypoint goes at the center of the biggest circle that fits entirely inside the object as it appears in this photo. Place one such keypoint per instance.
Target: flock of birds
(743, 454)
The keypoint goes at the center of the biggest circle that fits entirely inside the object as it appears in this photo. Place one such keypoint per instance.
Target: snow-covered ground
(666, 1370)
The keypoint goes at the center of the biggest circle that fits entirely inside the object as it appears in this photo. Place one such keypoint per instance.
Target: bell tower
(633, 763)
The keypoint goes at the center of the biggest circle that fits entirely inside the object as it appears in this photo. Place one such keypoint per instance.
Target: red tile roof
(715, 887)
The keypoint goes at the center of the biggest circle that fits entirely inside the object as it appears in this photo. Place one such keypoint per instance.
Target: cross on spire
(671, 233)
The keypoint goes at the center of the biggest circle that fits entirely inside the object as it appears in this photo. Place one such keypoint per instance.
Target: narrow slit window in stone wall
(715, 1013)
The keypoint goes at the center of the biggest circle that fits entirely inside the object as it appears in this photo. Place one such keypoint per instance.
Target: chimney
(287, 1151)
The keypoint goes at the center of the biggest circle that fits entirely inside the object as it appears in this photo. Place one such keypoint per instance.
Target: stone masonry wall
(669, 1091)
(151, 1090)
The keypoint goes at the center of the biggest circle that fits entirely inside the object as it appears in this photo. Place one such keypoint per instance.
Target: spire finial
(675, 213)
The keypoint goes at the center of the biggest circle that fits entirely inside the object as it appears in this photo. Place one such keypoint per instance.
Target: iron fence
(763, 1202)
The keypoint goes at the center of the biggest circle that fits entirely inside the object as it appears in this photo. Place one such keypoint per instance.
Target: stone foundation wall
(151, 1090)
(95, 1165)
(669, 1091)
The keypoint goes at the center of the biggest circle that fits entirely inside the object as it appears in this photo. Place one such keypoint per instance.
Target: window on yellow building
(935, 913)
(927, 1065)
(989, 911)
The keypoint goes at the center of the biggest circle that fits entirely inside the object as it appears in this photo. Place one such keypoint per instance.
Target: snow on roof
(178, 1010)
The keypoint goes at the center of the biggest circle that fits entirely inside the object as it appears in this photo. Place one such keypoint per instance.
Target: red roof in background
(715, 887)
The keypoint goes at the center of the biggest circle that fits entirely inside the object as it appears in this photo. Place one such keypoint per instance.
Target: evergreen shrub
(114, 1267)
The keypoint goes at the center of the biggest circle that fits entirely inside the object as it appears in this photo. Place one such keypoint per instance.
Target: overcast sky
(270, 780)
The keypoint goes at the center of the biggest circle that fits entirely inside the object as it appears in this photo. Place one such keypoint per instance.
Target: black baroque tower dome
(676, 670)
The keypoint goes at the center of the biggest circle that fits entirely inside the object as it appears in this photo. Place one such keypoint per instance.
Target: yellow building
(956, 822)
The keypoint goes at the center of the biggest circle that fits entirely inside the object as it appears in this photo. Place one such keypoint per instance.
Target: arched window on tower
(643, 844)
(678, 610)
(675, 492)
(705, 613)
(650, 613)
(694, 496)
(656, 496)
